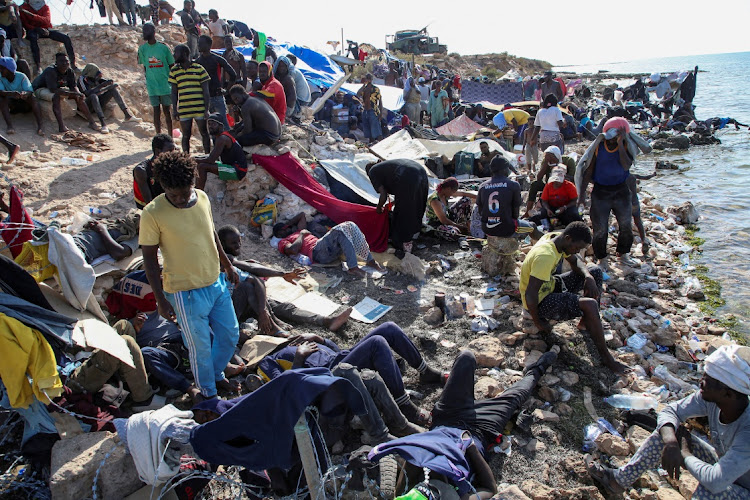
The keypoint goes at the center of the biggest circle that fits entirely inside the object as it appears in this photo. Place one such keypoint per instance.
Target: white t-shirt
(216, 28)
(547, 119)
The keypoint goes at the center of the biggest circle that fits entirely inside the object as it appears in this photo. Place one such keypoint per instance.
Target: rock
(488, 351)
(76, 460)
(716, 330)
(486, 387)
(636, 436)
(673, 142)
(535, 345)
(499, 256)
(512, 492)
(537, 491)
(569, 378)
(612, 445)
(666, 165)
(685, 213)
(649, 479)
(668, 494)
(687, 485)
(564, 409)
(547, 394)
(434, 316)
(549, 379)
(531, 357)
(715, 343)
(546, 416)
(535, 446)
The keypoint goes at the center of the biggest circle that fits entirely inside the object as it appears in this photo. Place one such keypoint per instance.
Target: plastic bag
(263, 212)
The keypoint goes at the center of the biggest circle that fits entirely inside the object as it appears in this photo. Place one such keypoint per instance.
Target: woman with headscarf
(439, 105)
(722, 467)
(449, 220)
(547, 125)
(282, 72)
(412, 98)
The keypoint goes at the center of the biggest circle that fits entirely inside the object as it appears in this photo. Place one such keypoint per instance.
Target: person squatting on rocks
(99, 91)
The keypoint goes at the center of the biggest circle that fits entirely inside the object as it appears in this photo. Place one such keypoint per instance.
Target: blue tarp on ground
(317, 67)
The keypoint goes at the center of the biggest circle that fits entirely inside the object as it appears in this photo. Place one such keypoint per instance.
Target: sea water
(715, 178)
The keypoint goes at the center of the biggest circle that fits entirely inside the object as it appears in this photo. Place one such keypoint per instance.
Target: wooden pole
(318, 104)
(307, 454)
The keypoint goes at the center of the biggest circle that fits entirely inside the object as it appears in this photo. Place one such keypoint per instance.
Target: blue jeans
(371, 124)
(332, 245)
(217, 104)
(163, 365)
(128, 6)
(209, 330)
(374, 352)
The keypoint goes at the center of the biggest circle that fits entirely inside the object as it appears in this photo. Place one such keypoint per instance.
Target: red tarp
(295, 177)
(18, 229)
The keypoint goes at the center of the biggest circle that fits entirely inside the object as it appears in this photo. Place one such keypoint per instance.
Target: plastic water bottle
(637, 341)
(66, 160)
(302, 259)
(93, 210)
(695, 346)
(630, 402)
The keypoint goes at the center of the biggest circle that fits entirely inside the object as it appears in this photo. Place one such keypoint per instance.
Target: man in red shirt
(558, 200)
(35, 18)
(272, 90)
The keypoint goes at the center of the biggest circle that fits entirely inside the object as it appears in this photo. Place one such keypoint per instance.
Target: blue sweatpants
(374, 352)
(209, 329)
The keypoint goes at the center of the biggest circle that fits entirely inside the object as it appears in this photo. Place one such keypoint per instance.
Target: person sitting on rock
(59, 82)
(559, 200)
(722, 468)
(260, 124)
(233, 164)
(250, 299)
(17, 95)
(463, 430)
(551, 159)
(99, 91)
(373, 352)
(6, 48)
(482, 164)
(548, 296)
(344, 238)
(36, 20)
(145, 186)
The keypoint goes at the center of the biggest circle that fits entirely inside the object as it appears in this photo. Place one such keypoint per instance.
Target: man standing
(51, 86)
(157, 60)
(16, 94)
(194, 293)
(191, 22)
(215, 66)
(609, 170)
(35, 17)
(236, 60)
(190, 96)
(227, 159)
(369, 96)
(260, 124)
(550, 86)
(547, 296)
(273, 89)
(218, 29)
(145, 186)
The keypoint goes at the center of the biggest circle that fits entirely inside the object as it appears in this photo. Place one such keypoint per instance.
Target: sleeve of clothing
(172, 78)
(331, 345)
(141, 57)
(542, 267)
(149, 234)
(82, 84)
(168, 56)
(50, 81)
(286, 241)
(25, 83)
(204, 75)
(29, 21)
(570, 190)
(516, 198)
(679, 411)
(730, 467)
(558, 114)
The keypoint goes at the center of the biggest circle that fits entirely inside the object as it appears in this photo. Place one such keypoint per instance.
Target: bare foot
(228, 386)
(40, 132)
(13, 153)
(356, 271)
(340, 320)
(93, 126)
(617, 367)
(195, 394)
(265, 325)
(231, 370)
(374, 264)
(11, 131)
(63, 129)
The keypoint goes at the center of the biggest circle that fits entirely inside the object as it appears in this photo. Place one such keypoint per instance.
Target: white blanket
(75, 275)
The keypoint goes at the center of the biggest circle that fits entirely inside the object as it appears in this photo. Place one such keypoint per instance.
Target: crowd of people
(181, 315)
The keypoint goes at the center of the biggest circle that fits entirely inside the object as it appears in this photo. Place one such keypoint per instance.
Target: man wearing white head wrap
(722, 467)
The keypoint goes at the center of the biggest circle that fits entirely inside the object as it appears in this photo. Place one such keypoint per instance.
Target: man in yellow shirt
(194, 293)
(546, 295)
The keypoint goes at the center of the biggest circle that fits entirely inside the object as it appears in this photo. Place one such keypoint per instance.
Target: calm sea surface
(715, 178)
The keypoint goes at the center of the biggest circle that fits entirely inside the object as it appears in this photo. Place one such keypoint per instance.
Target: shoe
(408, 430)
(628, 260)
(388, 468)
(546, 359)
(368, 439)
(104, 129)
(154, 403)
(133, 119)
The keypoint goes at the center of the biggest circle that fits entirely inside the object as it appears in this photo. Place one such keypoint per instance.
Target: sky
(565, 33)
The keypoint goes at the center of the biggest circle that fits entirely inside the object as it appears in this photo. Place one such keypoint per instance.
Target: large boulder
(685, 213)
(674, 142)
(488, 351)
(75, 462)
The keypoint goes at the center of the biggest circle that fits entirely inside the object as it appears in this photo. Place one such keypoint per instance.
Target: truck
(415, 42)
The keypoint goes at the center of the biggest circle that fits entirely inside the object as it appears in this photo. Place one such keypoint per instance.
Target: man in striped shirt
(190, 96)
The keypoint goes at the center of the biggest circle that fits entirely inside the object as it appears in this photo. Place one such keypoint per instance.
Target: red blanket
(295, 177)
(18, 228)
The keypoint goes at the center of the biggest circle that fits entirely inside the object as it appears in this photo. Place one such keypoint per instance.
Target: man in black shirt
(499, 204)
(214, 66)
(51, 86)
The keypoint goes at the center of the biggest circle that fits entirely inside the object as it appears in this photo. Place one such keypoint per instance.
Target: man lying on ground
(250, 299)
(145, 186)
(463, 429)
(17, 95)
(344, 238)
(373, 352)
(96, 240)
(548, 296)
(227, 159)
(99, 91)
(722, 468)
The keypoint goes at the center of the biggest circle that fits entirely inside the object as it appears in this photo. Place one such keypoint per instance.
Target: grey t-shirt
(92, 245)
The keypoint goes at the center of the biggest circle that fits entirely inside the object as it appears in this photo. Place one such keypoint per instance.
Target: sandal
(605, 477)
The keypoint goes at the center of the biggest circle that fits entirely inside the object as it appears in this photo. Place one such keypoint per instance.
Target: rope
(77, 415)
